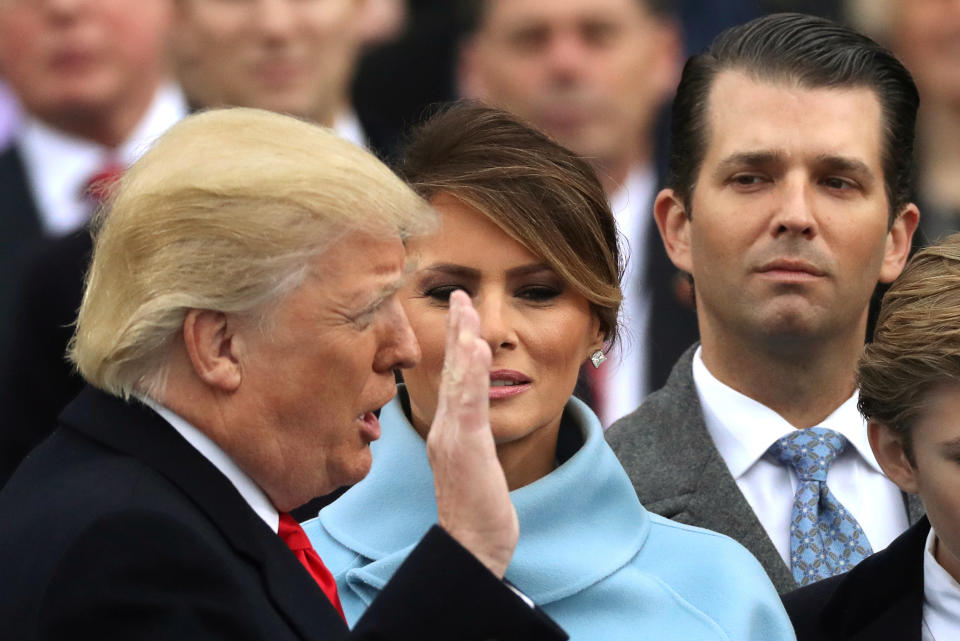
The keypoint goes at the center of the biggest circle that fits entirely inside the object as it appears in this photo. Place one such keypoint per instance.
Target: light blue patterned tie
(825, 539)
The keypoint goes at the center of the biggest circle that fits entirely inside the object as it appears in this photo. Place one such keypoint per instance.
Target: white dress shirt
(743, 430)
(941, 597)
(347, 126)
(249, 490)
(59, 166)
(625, 376)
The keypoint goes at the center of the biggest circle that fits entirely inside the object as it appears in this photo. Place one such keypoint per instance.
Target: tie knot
(292, 534)
(100, 185)
(810, 452)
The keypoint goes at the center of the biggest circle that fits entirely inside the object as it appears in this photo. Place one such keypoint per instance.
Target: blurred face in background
(75, 60)
(926, 36)
(591, 73)
(290, 56)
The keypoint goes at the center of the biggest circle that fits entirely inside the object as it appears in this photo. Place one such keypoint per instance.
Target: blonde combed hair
(223, 213)
(916, 344)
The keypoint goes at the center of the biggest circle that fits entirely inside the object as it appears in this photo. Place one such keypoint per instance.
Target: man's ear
(899, 239)
(891, 454)
(209, 340)
(674, 225)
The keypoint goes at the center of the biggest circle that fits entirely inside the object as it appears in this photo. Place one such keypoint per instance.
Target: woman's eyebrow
(527, 270)
(453, 270)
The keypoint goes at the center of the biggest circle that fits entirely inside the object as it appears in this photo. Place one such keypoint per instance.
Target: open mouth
(507, 383)
(369, 426)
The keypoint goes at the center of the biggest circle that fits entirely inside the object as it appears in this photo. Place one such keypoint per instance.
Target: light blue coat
(589, 554)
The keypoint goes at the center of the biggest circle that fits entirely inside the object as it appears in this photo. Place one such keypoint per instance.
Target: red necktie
(296, 539)
(101, 184)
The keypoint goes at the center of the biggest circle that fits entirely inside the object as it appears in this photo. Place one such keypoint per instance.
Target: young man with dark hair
(909, 379)
(787, 205)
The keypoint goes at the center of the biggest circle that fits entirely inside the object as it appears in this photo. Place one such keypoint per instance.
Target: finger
(451, 354)
(475, 388)
(453, 325)
(469, 321)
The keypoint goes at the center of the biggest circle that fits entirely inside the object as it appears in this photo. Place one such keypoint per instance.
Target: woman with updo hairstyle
(526, 231)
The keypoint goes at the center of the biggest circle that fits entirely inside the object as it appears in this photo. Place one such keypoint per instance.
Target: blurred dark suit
(36, 381)
(19, 230)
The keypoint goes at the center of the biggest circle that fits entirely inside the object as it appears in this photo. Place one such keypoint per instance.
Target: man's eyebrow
(843, 164)
(830, 162)
(749, 159)
(383, 293)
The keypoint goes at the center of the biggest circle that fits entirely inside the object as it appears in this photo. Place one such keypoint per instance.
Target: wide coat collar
(578, 525)
(137, 431)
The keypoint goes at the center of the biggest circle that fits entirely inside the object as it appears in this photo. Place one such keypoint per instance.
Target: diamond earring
(597, 358)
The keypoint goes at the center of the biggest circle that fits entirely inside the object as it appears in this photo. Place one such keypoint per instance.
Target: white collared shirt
(250, 491)
(347, 126)
(59, 166)
(941, 597)
(743, 430)
(625, 375)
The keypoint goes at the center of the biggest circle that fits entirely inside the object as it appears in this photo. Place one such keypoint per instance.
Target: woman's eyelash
(534, 293)
(538, 293)
(442, 292)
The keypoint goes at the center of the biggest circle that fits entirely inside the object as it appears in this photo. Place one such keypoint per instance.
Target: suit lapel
(716, 502)
(136, 430)
(679, 473)
(882, 598)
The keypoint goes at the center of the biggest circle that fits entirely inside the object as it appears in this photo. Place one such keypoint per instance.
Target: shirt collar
(250, 491)
(743, 429)
(347, 126)
(941, 594)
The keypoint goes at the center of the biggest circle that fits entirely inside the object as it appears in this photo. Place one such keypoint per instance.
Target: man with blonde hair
(909, 379)
(239, 330)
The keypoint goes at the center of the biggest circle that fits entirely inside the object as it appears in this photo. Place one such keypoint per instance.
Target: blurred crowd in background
(86, 84)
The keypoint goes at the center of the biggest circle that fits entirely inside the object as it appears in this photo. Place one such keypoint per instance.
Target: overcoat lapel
(136, 430)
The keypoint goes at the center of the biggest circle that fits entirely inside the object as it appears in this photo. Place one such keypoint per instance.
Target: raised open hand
(473, 502)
